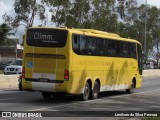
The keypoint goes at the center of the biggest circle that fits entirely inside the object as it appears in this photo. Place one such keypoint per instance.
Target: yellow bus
(79, 61)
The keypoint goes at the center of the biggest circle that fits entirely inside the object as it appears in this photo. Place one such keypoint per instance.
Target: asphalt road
(117, 103)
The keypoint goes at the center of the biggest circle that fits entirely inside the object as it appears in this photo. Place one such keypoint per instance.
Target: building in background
(11, 52)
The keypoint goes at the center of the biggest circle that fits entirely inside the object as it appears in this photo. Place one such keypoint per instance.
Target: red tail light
(66, 75)
(23, 72)
(20, 76)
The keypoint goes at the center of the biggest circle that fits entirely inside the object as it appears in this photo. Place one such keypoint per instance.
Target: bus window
(83, 45)
(91, 44)
(101, 47)
(76, 44)
(125, 49)
(132, 50)
(119, 51)
(112, 48)
(46, 38)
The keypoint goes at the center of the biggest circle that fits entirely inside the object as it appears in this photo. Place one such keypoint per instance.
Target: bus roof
(103, 34)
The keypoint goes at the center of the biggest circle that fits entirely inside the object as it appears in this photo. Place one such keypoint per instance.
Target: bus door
(140, 59)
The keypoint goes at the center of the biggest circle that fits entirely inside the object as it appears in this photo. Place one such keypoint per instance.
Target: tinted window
(76, 43)
(112, 48)
(87, 45)
(91, 46)
(83, 45)
(132, 50)
(46, 37)
(101, 47)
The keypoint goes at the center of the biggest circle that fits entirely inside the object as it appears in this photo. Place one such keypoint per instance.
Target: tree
(104, 18)
(127, 10)
(154, 18)
(4, 31)
(25, 11)
(59, 10)
(79, 15)
(133, 25)
(95, 14)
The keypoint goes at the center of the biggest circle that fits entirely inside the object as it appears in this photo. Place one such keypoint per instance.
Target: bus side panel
(112, 72)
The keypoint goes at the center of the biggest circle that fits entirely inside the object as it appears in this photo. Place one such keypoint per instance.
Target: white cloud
(6, 6)
(150, 2)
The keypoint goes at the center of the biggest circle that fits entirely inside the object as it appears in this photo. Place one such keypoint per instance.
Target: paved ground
(109, 103)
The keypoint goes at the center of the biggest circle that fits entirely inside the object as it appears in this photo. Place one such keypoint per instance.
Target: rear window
(46, 37)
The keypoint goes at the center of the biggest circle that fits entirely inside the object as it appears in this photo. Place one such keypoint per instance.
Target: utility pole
(145, 31)
(16, 49)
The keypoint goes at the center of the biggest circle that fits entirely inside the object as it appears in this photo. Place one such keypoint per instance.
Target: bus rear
(45, 59)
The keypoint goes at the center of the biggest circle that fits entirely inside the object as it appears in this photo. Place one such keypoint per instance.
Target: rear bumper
(44, 80)
(41, 86)
(12, 72)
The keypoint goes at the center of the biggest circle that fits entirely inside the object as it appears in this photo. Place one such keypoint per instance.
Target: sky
(6, 6)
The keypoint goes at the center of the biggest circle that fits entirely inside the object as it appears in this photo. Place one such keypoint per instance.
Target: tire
(95, 90)
(86, 93)
(46, 95)
(131, 90)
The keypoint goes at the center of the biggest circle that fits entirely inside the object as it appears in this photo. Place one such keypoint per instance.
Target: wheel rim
(86, 91)
(95, 90)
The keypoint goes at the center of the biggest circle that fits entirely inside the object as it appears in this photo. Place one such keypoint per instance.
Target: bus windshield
(46, 38)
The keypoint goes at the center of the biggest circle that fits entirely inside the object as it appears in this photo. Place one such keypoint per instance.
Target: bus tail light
(23, 72)
(66, 75)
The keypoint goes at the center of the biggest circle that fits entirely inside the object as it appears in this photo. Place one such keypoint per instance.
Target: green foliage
(59, 10)
(123, 17)
(134, 22)
(4, 31)
(103, 18)
(83, 14)
(25, 12)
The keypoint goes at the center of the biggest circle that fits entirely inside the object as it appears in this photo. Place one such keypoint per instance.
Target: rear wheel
(131, 90)
(46, 95)
(86, 92)
(95, 90)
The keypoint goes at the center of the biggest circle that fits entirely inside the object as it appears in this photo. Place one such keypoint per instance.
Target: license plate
(43, 80)
(11, 69)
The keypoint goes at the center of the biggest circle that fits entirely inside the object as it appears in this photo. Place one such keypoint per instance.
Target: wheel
(86, 93)
(95, 90)
(131, 90)
(46, 95)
